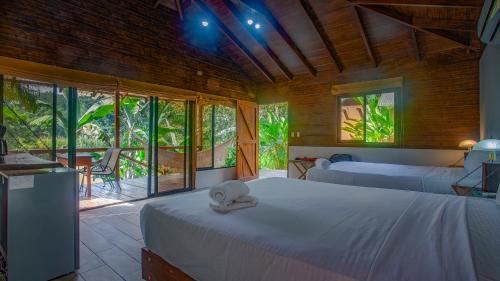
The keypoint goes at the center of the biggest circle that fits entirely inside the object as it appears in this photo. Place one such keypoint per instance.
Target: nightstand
(491, 176)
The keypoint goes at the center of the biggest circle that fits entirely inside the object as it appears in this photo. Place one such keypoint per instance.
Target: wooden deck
(131, 189)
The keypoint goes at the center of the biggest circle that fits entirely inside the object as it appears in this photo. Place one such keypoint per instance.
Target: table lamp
(467, 144)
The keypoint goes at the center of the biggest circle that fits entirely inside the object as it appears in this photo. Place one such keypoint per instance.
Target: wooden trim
(154, 268)
(65, 77)
(364, 36)
(261, 8)
(236, 41)
(262, 42)
(322, 34)
(353, 88)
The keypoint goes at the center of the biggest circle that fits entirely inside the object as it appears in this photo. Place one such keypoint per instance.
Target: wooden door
(247, 140)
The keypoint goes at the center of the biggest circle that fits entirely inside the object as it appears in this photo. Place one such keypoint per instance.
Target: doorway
(273, 140)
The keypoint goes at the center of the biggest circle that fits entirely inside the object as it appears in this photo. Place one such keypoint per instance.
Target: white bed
(303, 230)
(393, 176)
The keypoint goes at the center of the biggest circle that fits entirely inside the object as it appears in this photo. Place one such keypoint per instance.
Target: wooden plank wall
(440, 107)
(126, 38)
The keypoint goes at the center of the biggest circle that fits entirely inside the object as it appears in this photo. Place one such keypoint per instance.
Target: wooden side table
(302, 165)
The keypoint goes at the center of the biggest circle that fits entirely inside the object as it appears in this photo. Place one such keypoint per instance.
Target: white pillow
(322, 163)
(474, 159)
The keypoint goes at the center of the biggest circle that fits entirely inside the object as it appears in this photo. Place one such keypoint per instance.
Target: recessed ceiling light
(257, 26)
(250, 21)
(204, 23)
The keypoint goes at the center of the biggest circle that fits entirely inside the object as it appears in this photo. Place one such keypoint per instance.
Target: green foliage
(273, 134)
(379, 122)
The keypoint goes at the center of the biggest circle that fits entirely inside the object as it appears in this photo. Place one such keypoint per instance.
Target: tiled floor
(110, 244)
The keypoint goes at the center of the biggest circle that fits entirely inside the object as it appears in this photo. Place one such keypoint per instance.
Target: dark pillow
(340, 157)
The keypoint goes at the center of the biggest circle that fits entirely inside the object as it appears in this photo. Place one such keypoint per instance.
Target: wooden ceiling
(302, 37)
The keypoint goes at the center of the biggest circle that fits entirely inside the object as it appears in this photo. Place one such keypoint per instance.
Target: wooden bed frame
(154, 268)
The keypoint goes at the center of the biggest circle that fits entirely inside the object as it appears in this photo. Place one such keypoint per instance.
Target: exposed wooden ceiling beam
(234, 10)
(260, 7)
(235, 40)
(414, 43)
(425, 3)
(322, 34)
(445, 24)
(180, 9)
(407, 20)
(364, 36)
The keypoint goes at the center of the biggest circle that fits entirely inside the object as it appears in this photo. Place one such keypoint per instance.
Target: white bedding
(304, 230)
(393, 176)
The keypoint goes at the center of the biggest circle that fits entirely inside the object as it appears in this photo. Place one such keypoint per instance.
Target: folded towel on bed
(228, 191)
(242, 202)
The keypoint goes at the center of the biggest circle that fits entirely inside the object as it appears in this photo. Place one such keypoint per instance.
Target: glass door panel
(172, 158)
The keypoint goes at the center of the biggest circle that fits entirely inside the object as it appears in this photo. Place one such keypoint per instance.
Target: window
(369, 117)
(216, 136)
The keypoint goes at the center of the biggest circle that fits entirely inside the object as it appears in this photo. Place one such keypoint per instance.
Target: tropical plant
(273, 134)
(379, 121)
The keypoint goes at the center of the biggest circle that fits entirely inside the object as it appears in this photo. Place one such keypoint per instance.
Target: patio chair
(107, 167)
(97, 166)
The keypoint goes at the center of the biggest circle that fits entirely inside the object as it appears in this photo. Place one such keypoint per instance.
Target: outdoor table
(82, 160)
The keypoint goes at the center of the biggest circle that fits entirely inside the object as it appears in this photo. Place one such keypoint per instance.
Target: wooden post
(117, 132)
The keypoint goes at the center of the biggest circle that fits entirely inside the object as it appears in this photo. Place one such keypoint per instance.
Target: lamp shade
(487, 145)
(467, 144)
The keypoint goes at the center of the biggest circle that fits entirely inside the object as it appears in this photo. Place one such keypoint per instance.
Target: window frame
(397, 118)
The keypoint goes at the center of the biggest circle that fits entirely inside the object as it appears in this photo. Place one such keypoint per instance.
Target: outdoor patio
(131, 189)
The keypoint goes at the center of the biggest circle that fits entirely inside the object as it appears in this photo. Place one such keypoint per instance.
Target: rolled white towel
(228, 191)
(242, 202)
(322, 163)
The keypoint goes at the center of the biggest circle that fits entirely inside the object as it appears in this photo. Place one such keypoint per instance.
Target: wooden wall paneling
(440, 100)
(132, 40)
(414, 43)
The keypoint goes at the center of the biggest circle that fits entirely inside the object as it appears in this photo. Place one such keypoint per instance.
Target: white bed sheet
(304, 230)
(392, 176)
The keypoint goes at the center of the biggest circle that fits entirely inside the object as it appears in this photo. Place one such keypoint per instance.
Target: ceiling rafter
(235, 40)
(364, 36)
(283, 68)
(180, 9)
(407, 20)
(322, 34)
(260, 7)
(424, 3)
(414, 43)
